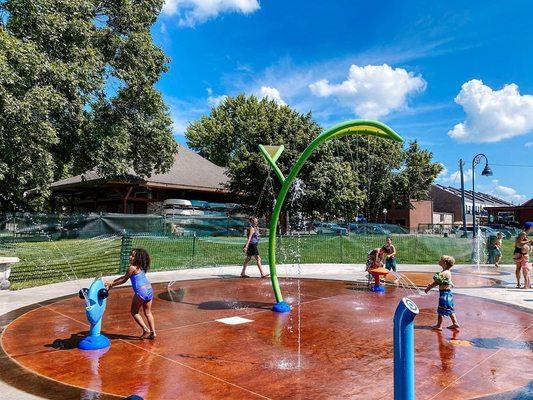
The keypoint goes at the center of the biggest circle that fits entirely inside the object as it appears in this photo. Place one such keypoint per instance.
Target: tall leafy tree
(77, 92)
(343, 177)
(414, 180)
(229, 137)
(375, 162)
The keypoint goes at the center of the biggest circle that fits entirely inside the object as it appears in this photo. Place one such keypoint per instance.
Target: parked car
(329, 228)
(376, 229)
(485, 230)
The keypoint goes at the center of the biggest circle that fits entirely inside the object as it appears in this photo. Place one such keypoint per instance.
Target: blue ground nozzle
(281, 307)
(377, 288)
(404, 350)
(95, 302)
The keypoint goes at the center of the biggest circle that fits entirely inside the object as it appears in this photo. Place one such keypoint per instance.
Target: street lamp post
(486, 172)
(463, 204)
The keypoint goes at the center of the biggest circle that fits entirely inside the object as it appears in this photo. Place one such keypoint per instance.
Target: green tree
(388, 174)
(344, 177)
(414, 180)
(77, 92)
(229, 137)
(374, 162)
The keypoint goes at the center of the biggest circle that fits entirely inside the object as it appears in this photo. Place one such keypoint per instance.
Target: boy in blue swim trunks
(443, 280)
(143, 293)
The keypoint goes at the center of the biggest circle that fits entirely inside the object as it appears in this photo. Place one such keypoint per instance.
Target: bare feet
(145, 335)
(453, 327)
(244, 276)
(436, 328)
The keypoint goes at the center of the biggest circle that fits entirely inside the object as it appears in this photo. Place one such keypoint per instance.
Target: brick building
(447, 199)
(420, 213)
(512, 214)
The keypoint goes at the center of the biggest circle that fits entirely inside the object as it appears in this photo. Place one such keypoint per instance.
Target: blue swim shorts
(445, 307)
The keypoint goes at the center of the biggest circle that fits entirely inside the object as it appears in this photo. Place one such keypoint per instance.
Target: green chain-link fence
(45, 261)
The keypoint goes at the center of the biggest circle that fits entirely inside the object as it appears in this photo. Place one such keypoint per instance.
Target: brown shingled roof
(189, 171)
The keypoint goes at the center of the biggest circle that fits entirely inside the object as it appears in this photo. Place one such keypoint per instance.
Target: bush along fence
(46, 261)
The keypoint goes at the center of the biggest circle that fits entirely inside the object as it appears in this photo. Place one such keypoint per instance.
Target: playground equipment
(95, 299)
(271, 155)
(377, 273)
(404, 350)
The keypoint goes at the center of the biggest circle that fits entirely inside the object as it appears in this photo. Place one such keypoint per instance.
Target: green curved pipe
(354, 127)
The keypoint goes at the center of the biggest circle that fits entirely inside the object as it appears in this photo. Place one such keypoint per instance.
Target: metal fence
(45, 260)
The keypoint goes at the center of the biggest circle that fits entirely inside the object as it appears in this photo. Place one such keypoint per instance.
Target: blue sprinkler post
(95, 301)
(404, 350)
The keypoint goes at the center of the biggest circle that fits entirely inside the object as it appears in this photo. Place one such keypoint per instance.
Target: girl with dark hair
(251, 247)
(142, 290)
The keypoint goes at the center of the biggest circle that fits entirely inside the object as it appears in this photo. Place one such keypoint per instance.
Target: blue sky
(454, 75)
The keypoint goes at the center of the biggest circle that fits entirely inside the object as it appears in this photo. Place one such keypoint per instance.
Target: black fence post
(193, 249)
(342, 248)
(125, 249)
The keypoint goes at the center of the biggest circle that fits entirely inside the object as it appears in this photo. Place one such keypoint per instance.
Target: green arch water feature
(272, 153)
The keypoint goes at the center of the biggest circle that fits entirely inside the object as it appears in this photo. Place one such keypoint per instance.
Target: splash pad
(347, 338)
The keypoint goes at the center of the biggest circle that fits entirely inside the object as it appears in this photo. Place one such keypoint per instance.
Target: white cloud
(373, 90)
(193, 12)
(454, 179)
(272, 94)
(214, 101)
(183, 112)
(492, 115)
(503, 192)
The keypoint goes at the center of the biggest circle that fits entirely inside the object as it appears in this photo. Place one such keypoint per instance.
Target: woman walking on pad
(251, 249)
(142, 289)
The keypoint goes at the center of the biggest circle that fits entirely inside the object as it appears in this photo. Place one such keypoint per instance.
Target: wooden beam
(126, 199)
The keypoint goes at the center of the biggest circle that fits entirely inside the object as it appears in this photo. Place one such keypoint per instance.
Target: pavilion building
(191, 177)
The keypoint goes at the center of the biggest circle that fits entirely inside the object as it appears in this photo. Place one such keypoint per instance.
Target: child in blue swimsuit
(443, 280)
(142, 289)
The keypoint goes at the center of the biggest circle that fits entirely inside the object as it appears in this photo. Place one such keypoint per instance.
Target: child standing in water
(497, 249)
(373, 260)
(142, 289)
(525, 265)
(443, 280)
(251, 249)
(389, 252)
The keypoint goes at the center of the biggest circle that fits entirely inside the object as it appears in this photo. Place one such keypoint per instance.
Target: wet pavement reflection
(345, 343)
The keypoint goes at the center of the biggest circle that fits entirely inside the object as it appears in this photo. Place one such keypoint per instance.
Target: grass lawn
(44, 262)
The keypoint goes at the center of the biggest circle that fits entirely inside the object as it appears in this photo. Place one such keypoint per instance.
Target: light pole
(463, 204)
(384, 215)
(486, 172)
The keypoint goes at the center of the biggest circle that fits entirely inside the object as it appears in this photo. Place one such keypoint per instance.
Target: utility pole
(463, 204)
